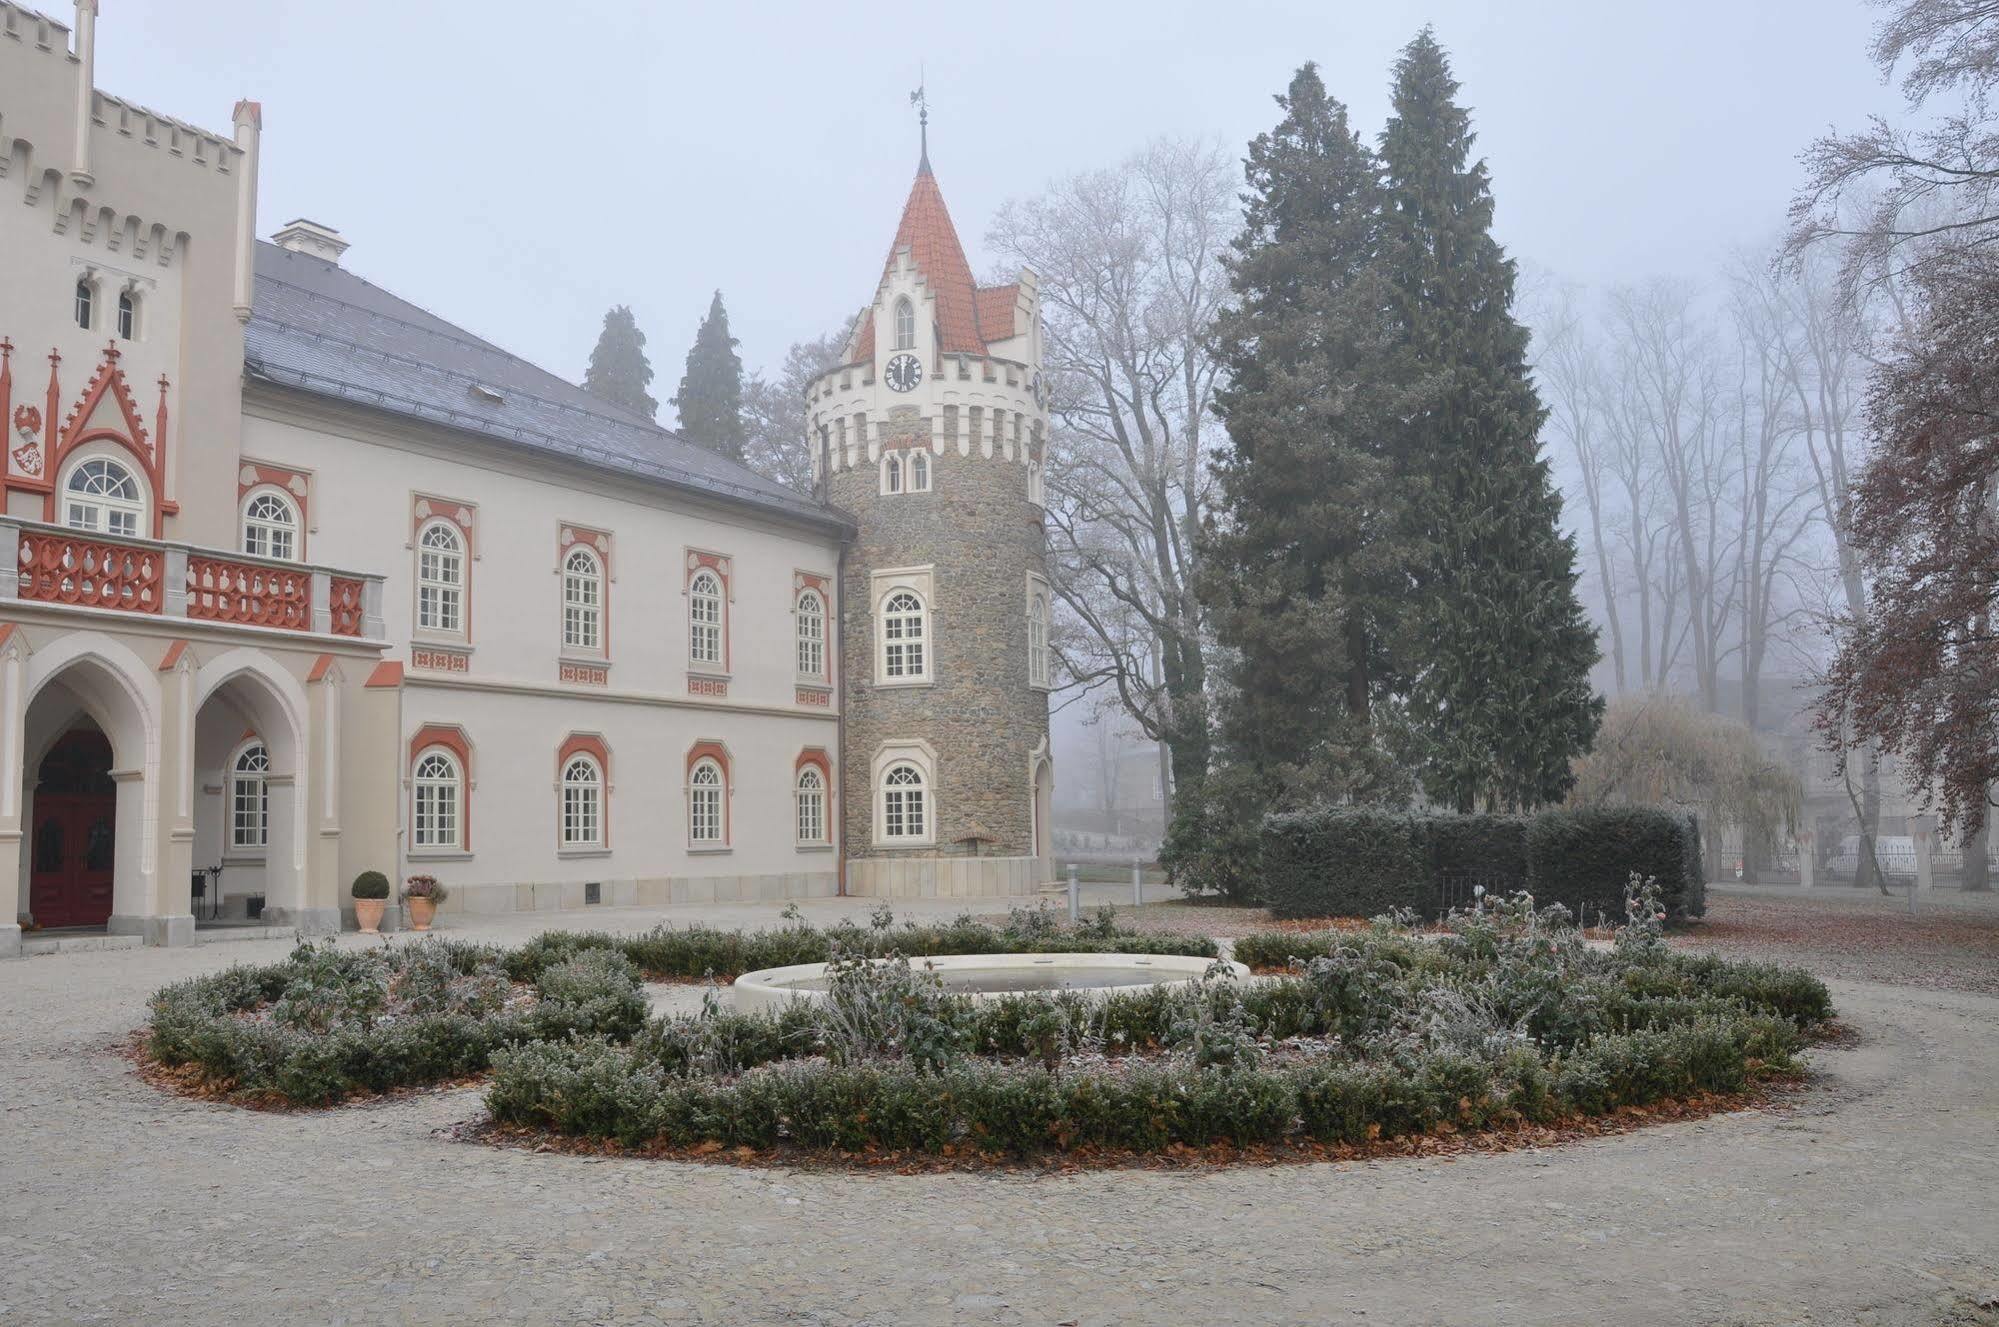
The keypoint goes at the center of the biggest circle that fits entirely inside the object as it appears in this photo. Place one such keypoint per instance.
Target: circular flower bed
(327, 1023)
(1509, 1017)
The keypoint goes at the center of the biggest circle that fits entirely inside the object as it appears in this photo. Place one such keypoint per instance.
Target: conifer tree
(1300, 554)
(1498, 646)
(619, 371)
(710, 399)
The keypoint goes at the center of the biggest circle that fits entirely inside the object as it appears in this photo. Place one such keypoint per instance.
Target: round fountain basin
(991, 976)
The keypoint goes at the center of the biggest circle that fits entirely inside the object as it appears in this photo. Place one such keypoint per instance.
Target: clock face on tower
(903, 373)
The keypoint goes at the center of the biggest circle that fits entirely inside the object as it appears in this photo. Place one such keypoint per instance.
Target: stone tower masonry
(930, 436)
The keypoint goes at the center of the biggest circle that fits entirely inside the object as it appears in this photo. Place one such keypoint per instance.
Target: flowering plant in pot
(371, 900)
(422, 894)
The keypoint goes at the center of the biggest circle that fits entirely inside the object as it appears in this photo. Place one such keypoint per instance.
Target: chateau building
(311, 581)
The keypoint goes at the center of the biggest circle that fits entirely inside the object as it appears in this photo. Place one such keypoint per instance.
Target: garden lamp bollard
(1075, 898)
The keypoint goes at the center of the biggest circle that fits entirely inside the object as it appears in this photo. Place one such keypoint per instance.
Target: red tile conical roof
(926, 231)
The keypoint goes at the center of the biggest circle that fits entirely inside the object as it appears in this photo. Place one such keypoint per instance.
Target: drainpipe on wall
(840, 721)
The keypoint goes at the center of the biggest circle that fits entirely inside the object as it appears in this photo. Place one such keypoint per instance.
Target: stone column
(325, 892)
(172, 915)
(13, 781)
(1924, 830)
(1808, 864)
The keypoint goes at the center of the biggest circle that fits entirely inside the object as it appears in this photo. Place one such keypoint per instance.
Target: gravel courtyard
(1870, 1197)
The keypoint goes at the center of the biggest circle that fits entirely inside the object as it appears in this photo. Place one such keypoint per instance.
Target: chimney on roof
(309, 237)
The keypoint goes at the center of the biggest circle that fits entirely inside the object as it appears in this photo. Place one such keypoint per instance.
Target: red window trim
(452, 738)
(711, 749)
(568, 535)
(719, 564)
(593, 746)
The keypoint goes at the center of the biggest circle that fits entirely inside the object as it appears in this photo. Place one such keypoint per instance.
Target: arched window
(905, 814)
(704, 618)
(86, 302)
(436, 815)
(1037, 640)
(582, 601)
(811, 628)
(128, 315)
(811, 805)
(904, 658)
(440, 579)
(101, 495)
(905, 325)
(891, 473)
(1036, 494)
(704, 804)
(270, 526)
(919, 472)
(582, 804)
(250, 798)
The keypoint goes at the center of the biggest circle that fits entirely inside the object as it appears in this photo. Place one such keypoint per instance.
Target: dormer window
(905, 325)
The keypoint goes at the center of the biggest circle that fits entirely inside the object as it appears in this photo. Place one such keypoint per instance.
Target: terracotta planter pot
(368, 914)
(422, 911)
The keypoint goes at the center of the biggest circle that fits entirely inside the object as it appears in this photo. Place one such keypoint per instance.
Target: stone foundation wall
(945, 877)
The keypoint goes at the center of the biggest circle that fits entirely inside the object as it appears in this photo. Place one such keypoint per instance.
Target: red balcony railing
(61, 566)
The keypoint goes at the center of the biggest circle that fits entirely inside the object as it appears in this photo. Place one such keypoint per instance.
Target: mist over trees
(710, 399)
(619, 371)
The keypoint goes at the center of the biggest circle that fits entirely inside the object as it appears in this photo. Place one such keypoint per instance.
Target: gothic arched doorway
(76, 813)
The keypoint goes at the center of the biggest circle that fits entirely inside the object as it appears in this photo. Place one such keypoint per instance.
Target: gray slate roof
(317, 327)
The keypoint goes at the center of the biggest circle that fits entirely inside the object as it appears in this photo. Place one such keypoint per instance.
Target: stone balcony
(123, 574)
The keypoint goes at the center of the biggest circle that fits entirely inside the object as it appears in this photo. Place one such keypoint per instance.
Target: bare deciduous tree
(1130, 262)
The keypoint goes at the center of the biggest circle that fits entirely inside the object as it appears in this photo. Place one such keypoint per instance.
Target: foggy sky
(518, 168)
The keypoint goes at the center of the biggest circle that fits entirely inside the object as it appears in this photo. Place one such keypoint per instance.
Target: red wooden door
(71, 855)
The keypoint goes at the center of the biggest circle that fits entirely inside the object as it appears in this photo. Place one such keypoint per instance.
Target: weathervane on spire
(921, 100)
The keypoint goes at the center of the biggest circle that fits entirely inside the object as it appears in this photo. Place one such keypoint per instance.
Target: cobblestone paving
(1870, 1199)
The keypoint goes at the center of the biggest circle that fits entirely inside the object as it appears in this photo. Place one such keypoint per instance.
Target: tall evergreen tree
(619, 371)
(1300, 554)
(710, 399)
(1498, 694)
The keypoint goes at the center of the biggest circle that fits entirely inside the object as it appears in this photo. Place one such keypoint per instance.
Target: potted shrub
(422, 894)
(371, 900)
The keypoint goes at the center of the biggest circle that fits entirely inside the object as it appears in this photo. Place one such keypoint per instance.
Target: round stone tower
(930, 436)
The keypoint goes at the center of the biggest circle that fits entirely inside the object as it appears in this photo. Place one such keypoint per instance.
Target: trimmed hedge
(1584, 859)
(333, 1022)
(1365, 862)
(596, 1089)
(1352, 861)
(1508, 1016)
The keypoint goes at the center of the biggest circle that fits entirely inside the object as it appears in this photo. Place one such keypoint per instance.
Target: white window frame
(892, 474)
(809, 634)
(270, 531)
(249, 780)
(707, 805)
(1040, 666)
(581, 812)
(101, 512)
(901, 633)
(707, 619)
(435, 590)
(1037, 490)
(128, 315)
(582, 601)
(437, 794)
(83, 308)
(919, 471)
(894, 810)
(809, 807)
(905, 324)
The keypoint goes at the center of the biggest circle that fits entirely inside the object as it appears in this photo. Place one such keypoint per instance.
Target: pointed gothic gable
(107, 410)
(968, 318)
